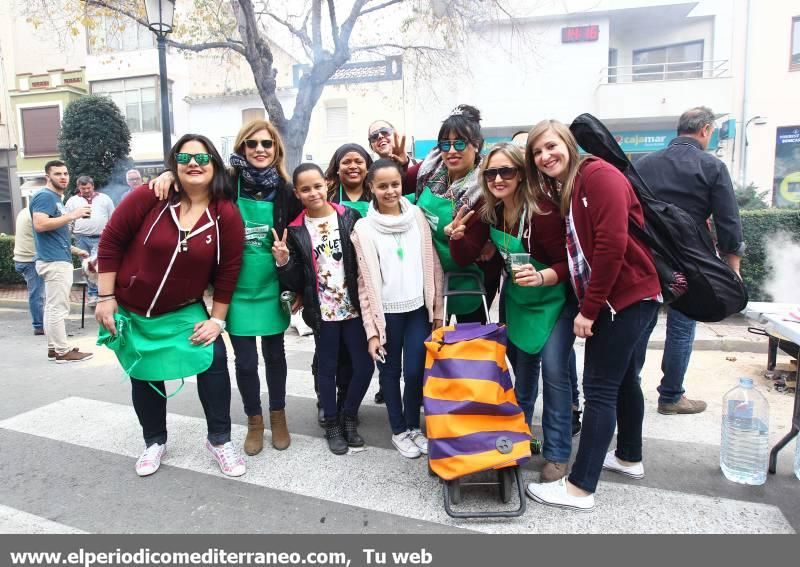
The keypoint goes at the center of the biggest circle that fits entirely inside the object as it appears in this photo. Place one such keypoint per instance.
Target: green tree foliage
(749, 197)
(94, 139)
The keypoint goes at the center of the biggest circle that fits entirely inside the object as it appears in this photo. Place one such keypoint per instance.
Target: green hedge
(8, 275)
(758, 226)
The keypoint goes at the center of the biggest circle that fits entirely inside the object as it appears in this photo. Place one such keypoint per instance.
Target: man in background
(685, 175)
(54, 259)
(87, 229)
(25, 264)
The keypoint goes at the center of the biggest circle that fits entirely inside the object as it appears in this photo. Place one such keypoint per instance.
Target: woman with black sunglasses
(447, 181)
(155, 261)
(538, 307)
(266, 201)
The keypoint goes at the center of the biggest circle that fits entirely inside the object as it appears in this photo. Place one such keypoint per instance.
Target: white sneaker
(150, 460)
(230, 461)
(555, 494)
(405, 445)
(300, 325)
(420, 440)
(611, 463)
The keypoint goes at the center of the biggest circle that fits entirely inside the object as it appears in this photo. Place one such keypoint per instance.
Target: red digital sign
(576, 34)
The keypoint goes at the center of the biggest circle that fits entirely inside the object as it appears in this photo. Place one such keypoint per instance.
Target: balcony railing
(670, 71)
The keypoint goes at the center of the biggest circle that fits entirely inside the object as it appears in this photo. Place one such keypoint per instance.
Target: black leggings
(213, 388)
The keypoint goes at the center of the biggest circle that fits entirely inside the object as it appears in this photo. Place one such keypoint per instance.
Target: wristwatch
(219, 322)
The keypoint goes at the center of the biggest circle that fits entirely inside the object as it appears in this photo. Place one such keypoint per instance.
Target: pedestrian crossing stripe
(381, 480)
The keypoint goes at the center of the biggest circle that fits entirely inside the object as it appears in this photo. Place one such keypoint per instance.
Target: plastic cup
(517, 261)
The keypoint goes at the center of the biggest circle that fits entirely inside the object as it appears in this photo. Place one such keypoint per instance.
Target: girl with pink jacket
(400, 293)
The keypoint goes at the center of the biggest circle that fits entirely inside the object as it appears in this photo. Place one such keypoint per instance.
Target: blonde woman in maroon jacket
(155, 260)
(618, 292)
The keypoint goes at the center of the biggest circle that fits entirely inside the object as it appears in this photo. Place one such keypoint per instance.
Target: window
(672, 62)
(612, 65)
(40, 127)
(118, 34)
(249, 114)
(794, 63)
(137, 99)
(336, 118)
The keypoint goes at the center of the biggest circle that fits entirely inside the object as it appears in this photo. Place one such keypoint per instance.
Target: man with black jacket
(685, 175)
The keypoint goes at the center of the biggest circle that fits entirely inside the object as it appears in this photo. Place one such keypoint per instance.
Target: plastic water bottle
(745, 434)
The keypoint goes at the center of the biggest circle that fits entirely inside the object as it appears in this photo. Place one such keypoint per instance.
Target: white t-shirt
(102, 208)
(326, 244)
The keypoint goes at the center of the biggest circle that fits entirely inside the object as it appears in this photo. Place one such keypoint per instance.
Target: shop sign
(786, 183)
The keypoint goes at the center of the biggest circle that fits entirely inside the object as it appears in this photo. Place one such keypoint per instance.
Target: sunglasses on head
(378, 133)
(253, 144)
(506, 173)
(200, 159)
(445, 145)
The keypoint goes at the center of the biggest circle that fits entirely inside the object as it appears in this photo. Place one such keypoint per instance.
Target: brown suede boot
(254, 441)
(280, 432)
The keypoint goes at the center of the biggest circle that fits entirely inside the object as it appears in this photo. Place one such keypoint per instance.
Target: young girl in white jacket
(400, 293)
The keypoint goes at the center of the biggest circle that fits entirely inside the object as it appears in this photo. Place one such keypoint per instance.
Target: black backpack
(694, 280)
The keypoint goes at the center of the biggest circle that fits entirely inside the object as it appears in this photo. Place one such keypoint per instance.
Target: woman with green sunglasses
(155, 261)
(265, 200)
(447, 181)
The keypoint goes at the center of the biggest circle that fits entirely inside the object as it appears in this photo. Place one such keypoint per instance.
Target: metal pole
(745, 96)
(166, 138)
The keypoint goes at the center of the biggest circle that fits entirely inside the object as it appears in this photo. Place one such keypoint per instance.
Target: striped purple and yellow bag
(472, 418)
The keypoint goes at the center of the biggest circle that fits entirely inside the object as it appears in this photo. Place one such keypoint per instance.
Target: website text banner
(383, 550)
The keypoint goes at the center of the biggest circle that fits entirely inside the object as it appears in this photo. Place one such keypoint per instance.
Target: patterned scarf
(267, 179)
(433, 174)
(579, 269)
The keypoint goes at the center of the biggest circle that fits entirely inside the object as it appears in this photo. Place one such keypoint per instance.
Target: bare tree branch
(347, 28)
(197, 47)
(116, 8)
(380, 6)
(299, 33)
(334, 23)
(412, 47)
(316, 28)
(259, 55)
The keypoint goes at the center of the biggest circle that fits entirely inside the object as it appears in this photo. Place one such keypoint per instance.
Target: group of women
(366, 246)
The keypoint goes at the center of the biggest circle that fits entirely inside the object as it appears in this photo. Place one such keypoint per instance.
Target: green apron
(531, 312)
(158, 348)
(361, 206)
(255, 309)
(439, 212)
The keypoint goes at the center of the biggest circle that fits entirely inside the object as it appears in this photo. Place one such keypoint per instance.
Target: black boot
(335, 436)
(351, 433)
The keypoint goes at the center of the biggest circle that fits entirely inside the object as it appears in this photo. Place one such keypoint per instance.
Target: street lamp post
(758, 120)
(160, 14)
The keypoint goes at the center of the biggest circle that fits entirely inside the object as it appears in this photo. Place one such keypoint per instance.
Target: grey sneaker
(73, 355)
(684, 405)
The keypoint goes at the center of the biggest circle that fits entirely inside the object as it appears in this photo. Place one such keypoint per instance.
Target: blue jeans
(612, 390)
(88, 243)
(677, 352)
(35, 285)
(405, 353)
(247, 378)
(349, 334)
(557, 403)
(573, 379)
